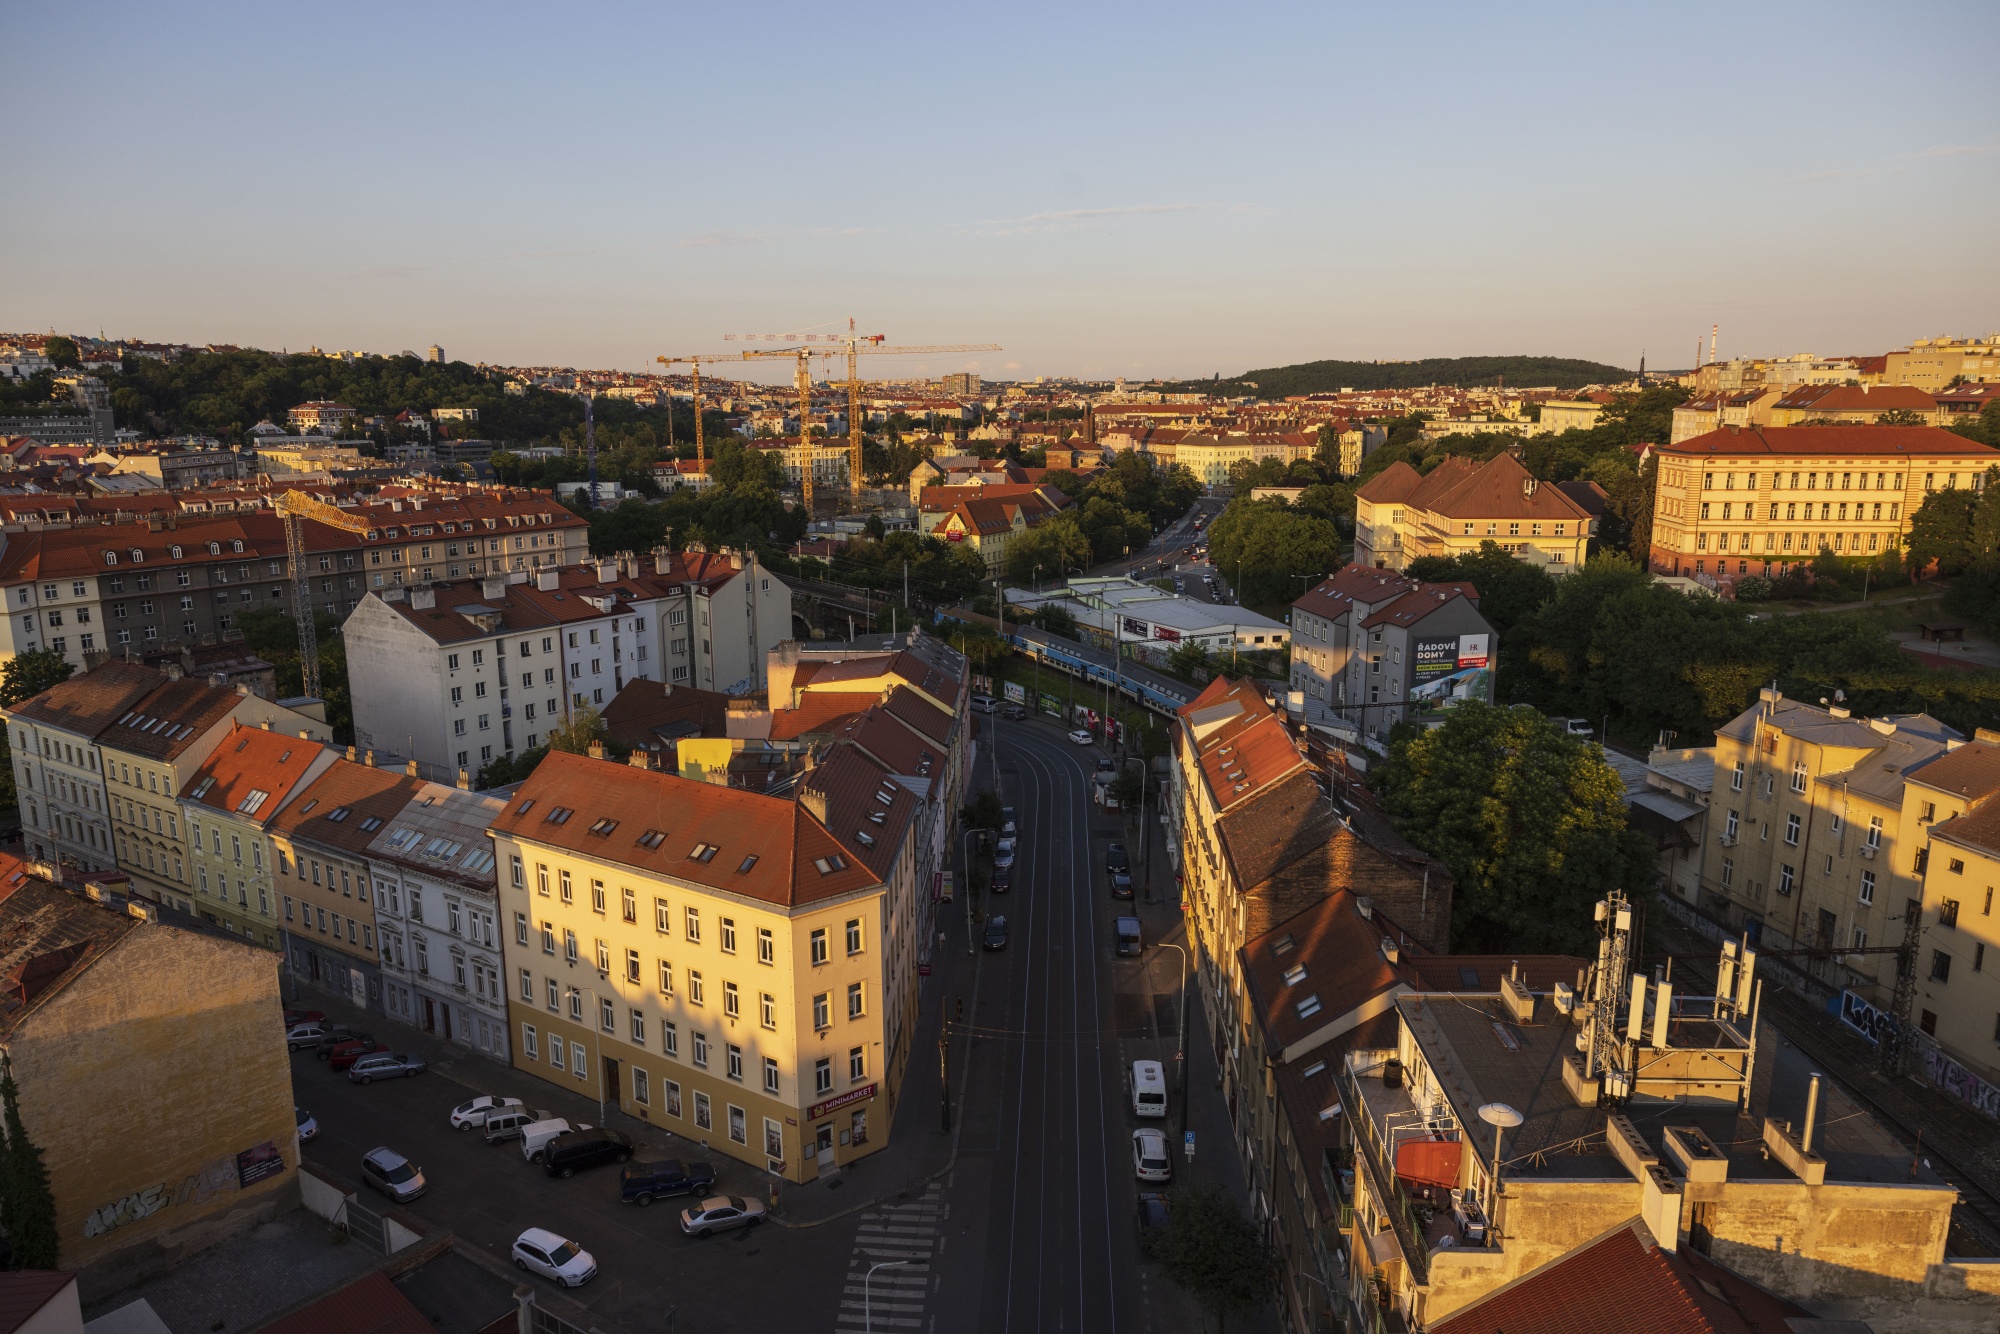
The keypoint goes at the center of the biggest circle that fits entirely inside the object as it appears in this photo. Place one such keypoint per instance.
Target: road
(1033, 1226)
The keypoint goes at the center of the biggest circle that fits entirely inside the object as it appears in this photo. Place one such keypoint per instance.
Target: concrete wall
(321, 1193)
(396, 676)
(148, 1081)
(1811, 1243)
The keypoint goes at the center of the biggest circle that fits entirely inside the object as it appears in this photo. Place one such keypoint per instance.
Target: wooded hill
(1325, 377)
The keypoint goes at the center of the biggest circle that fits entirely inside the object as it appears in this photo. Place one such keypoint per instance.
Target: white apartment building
(58, 772)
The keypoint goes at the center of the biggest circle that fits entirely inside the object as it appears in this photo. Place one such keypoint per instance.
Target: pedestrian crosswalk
(889, 1270)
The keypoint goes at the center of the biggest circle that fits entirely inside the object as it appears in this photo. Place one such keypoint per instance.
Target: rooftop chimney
(493, 588)
(548, 580)
(410, 768)
(423, 599)
(597, 750)
(465, 780)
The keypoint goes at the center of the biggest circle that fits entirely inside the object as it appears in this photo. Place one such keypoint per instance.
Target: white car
(469, 1114)
(1082, 737)
(308, 1127)
(540, 1251)
(1149, 1156)
(1003, 853)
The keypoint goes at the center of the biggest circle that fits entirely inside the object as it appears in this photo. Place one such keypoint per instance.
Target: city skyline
(1113, 196)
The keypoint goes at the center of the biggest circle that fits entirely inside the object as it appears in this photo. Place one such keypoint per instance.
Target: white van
(1149, 1089)
(535, 1136)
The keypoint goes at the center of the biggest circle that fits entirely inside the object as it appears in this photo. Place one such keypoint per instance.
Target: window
(641, 1092)
(703, 1120)
(576, 1004)
(854, 935)
(1785, 879)
(854, 1005)
(823, 1075)
(1957, 866)
(520, 928)
(1792, 831)
(1940, 966)
(670, 1040)
(738, 1130)
(663, 917)
(1728, 871)
(638, 1020)
(548, 936)
(766, 946)
(528, 1041)
(568, 892)
(695, 989)
(1729, 826)
(819, 946)
(555, 995)
(527, 986)
(577, 1066)
(630, 905)
(666, 978)
(732, 1001)
(541, 880)
(1867, 886)
(631, 965)
(603, 956)
(1736, 778)
(556, 1051)
(1948, 912)
(733, 1061)
(569, 945)
(700, 1052)
(729, 935)
(823, 1010)
(770, 1075)
(1875, 831)
(1799, 776)
(693, 916)
(768, 1009)
(857, 1063)
(597, 896)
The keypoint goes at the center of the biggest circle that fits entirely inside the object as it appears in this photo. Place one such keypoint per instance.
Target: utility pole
(944, 1068)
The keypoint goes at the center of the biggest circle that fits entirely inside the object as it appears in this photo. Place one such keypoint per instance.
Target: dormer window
(176, 551)
(137, 555)
(1295, 974)
(215, 548)
(110, 558)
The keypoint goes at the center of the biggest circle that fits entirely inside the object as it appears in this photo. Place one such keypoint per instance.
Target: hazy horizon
(1143, 192)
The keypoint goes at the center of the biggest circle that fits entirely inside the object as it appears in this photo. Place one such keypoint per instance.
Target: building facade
(228, 805)
(1457, 507)
(1369, 645)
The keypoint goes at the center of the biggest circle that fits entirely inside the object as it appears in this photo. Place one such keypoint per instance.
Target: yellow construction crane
(294, 507)
(700, 446)
(855, 345)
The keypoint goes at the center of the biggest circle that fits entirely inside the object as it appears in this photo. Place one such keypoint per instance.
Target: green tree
(1216, 1254)
(1271, 552)
(1941, 531)
(1900, 417)
(633, 525)
(576, 732)
(1530, 821)
(1052, 550)
(1510, 590)
(62, 351)
(27, 1206)
(1056, 619)
(26, 675)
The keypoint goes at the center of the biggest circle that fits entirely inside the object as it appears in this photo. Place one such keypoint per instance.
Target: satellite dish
(1501, 1115)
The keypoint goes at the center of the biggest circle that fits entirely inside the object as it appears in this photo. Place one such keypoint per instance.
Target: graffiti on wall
(1960, 1082)
(235, 1171)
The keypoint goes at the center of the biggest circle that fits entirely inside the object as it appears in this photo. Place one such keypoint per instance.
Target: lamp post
(965, 850)
(867, 1313)
(1180, 1037)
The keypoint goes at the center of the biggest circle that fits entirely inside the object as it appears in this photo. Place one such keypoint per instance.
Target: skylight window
(372, 822)
(829, 864)
(479, 860)
(525, 807)
(559, 814)
(1283, 943)
(201, 788)
(877, 817)
(603, 827)
(307, 808)
(748, 862)
(703, 852)
(338, 813)
(1468, 977)
(249, 805)
(1295, 974)
(1308, 1007)
(652, 838)
(867, 839)
(1315, 1068)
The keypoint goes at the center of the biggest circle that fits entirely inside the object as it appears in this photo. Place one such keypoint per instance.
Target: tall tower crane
(294, 507)
(700, 447)
(856, 345)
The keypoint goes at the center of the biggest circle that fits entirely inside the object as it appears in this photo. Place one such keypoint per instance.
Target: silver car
(719, 1213)
(393, 1174)
(385, 1065)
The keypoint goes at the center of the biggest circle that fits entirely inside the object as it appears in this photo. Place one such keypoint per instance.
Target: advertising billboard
(1135, 628)
(1015, 691)
(1167, 633)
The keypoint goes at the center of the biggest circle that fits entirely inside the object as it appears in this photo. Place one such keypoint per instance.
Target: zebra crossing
(897, 1243)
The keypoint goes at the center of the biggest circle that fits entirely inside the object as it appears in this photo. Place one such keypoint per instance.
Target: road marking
(909, 1236)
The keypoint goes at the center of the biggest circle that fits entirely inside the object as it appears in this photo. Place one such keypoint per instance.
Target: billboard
(1433, 658)
(1016, 692)
(1167, 633)
(1135, 628)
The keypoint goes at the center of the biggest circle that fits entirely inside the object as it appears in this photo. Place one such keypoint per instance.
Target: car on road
(1082, 737)
(1121, 885)
(347, 1053)
(1149, 1156)
(1106, 765)
(1003, 855)
(293, 1018)
(394, 1175)
(642, 1183)
(540, 1251)
(1006, 815)
(719, 1213)
(563, 1155)
(468, 1115)
(1014, 713)
(308, 1127)
(1003, 879)
(1579, 727)
(996, 933)
(336, 1035)
(303, 1035)
(985, 703)
(1007, 829)
(1116, 859)
(1155, 1212)
(385, 1065)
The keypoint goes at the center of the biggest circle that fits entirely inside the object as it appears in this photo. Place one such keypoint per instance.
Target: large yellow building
(1736, 502)
(1401, 515)
(736, 968)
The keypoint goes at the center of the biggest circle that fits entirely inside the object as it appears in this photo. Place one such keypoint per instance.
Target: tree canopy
(1052, 550)
(1326, 377)
(1215, 1253)
(1270, 551)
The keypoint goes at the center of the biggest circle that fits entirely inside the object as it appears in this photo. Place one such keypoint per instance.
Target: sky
(1145, 190)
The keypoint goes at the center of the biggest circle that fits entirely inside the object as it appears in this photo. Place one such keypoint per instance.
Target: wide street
(1031, 1226)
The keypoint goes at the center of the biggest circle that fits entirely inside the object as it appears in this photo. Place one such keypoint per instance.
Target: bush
(1753, 588)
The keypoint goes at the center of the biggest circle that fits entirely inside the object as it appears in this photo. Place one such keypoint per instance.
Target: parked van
(507, 1124)
(535, 1136)
(1128, 935)
(1149, 1089)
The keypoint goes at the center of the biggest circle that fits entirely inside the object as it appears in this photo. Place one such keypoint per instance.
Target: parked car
(996, 933)
(1155, 1212)
(536, 1135)
(303, 1035)
(1130, 941)
(505, 1125)
(1014, 713)
(393, 1174)
(1149, 1156)
(1106, 765)
(1121, 885)
(1007, 829)
(346, 1053)
(1003, 879)
(1003, 854)
(308, 1127)
(719, 1213)
(293, 1018)
(1006, 815)
(1116, 859)
(469, 1114)
(1579, 727)
(336, 1035)
(563, 1155)
(1082, 737)
(642, 1183)
(385, 1065)
(985, 703)
(540, 1251)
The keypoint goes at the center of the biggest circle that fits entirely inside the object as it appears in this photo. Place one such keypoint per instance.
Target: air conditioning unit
(1727, 840)
(1868, 850)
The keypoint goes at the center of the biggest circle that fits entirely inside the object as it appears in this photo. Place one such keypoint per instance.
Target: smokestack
(1812, 1113)
(1713, 330)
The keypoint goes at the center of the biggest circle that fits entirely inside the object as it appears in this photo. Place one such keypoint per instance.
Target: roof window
(559, 814)
(748, 862)
(525, 807)
(479, 860)
(308, 807)
(876, 817)
(867, 839)
(201, 788)
(1295, 974)
(703, 852)
(603, 827)
(1317, 1067)
(1308, 1007)
(338, 813)
(1283, 943)
(652, 838)
(250, 804)
(1468, 977)
(373, 822)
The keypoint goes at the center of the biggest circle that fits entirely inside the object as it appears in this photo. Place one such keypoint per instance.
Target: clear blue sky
(1140, 191)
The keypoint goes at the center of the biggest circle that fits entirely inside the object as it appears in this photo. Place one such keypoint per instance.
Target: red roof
(1870, 442)
(370, 1304)
(26, 1291)
(251, 760)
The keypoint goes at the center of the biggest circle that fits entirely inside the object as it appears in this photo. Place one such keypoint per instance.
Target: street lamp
(867, 1315)
(1180, 1038)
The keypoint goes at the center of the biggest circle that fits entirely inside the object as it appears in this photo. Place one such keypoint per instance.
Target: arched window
(215, 548)
(176, 551)
(137, 555)
(110, 558)
(236, 544)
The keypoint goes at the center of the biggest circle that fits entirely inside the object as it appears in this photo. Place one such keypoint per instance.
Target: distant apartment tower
(964, 382)
(436, 355)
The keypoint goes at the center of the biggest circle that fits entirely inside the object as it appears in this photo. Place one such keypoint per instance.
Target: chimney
(1812, 1113)
(368, 758)
(607, 571)
(493, 588)
(410, 768)
(220, 680)
(548, 580)
(597, 750)
(423, 599)
(641, 759)
(814, 800)
(663, 561)
(350, 754)
(267, 724)
(465, 780)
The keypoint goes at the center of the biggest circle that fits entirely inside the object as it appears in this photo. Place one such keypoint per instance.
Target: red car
(347, 1053)
(293, 1018)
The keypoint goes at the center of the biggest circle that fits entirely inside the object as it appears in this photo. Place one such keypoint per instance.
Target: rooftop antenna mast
(1606, 1054)
(590, 442)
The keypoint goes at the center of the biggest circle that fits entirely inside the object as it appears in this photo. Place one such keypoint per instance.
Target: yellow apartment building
(228, 805)
(1958, 971)
(736, 968)
(1401, 515)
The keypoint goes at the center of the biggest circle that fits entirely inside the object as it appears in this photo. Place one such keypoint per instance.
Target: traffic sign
(1189, 1144)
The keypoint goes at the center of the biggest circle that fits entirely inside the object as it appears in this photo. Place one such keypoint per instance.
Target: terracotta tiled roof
(1392, 484)
(251, 760)
(371, 1304)
(855, 790)
(89, 703)
(766, 848)
(1859, 442)
(1335, 595)
(47, 936)
(23, 1292)
(166, 722)
(1858, 398)
(1499, 488)
(346, 805)
(1419, 603)
(819, 711)
(1246, 754)
(646, 713)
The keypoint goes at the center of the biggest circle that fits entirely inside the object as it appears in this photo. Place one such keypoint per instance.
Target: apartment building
(1756, 501)
(1933, 363)
(735, 967)
(171, 582)
(321, 415)
(1850, 405)
(437, 915)
(228, 805)
(990, 524)
(58, 770)
(1401, 515)
(458, 674)
(1369, 645)
(1957, 1004)
(1816, 830)
(1723, 409)
(829, 457)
